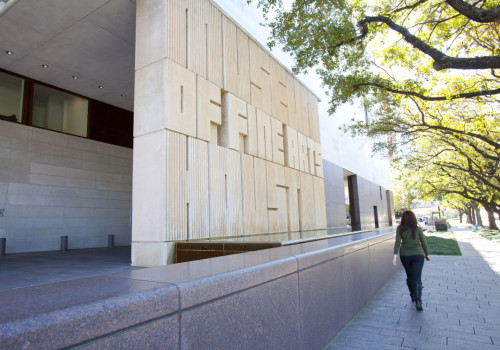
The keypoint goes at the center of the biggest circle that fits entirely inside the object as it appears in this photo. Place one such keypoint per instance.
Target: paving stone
(461, 299)
(366, 329)
(456, 335)
(398, 332)
(363, 344)
(418, 340)
(384, 339)
(493, 320)
(439, 347)
(495, 339)
(472, 316)
(472, 345)
(487, 329)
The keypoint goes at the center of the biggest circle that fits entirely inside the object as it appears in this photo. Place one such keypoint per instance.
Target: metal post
(111, 241)
(64, 243)
(3, 243)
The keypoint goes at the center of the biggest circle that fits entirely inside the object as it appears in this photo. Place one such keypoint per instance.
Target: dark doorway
(352, 184)
(375, 215)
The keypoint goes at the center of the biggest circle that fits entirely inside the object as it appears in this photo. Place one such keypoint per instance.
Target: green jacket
(405, 244)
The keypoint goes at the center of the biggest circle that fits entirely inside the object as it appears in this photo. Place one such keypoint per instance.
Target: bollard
(111, 241)
(3, 243)
(64, 243)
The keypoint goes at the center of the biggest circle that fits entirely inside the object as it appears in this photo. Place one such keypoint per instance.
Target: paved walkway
(30, 269)
(461, 300)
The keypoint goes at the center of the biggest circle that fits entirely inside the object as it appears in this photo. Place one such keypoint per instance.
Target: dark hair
(408, 221)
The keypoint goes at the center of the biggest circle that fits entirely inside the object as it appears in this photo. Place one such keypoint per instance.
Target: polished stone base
(294, 297)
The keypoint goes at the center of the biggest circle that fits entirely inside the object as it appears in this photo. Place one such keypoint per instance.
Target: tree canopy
(408, 48)
(426, 69)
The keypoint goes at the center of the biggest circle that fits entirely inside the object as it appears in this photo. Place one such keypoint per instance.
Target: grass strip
(442, 243)
(492, 235)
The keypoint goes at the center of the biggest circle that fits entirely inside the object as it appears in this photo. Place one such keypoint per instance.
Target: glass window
(11, 97)
(59, 111)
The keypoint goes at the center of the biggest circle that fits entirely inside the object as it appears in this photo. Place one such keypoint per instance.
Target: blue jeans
(413, 265)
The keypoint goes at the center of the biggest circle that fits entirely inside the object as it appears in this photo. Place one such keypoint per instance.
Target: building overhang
(56, 41)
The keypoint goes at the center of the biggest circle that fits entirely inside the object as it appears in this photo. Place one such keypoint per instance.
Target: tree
(406, 192)
(427, 70)
(443, 170)
(384, 50)
(462, 206)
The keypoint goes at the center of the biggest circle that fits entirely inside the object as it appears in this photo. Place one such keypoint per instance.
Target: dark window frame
(27, 108)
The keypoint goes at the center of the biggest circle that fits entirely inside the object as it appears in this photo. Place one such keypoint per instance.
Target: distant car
(422, 220)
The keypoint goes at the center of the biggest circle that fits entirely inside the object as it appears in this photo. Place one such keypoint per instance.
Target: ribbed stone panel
(176, 199)
(280, 85)
(319, 202)
(277, 198)
(292, 180)
(214, 61)
(197, 189)
(260, 78)
(243, 56)
(307, 215)
(230, 55)
(226, 212)
(177, 14)
(197, 27)
(254, 185)
(312, 104)
(187, 187)
(236, 60)
(301, 113)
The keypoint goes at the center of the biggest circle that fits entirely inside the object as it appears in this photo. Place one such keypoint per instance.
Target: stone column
(151, 245)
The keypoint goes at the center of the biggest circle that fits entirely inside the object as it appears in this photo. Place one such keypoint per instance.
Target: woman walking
(412, 248)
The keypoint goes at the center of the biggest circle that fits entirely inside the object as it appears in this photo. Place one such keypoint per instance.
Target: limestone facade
(53, 184)
(226, 140)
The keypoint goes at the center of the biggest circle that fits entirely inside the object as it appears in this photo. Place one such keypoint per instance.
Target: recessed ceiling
(92, 39)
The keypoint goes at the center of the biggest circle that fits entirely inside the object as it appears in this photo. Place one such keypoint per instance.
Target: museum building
(159, 121)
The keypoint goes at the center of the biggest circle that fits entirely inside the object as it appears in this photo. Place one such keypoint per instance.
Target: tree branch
(441, 60)
(476, 14)
(431, 98)
(470, 170)
(410, 7)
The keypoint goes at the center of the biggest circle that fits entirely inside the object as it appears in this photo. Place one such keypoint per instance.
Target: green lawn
(442, 243)
(493, 235)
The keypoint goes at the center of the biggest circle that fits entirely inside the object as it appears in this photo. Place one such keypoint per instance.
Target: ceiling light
(100, 87)
(123, 95)
(8, 52)
(74, 77)
(45, 66)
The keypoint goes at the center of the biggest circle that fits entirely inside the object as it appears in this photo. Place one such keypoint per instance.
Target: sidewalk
(461, 300)
(37, 268)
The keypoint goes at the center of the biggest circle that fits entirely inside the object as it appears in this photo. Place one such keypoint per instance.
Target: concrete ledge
(293, 297)
(63, 314)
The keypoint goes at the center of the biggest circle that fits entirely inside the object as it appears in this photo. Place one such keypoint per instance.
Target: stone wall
(295, 297)
(226, 140)
(53, 184)
(372, 195)
(335, 196)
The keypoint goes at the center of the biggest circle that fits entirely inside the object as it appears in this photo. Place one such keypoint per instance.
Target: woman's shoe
(418, 296)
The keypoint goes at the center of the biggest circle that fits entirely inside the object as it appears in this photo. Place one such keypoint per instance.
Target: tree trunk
(479, 221)
(460, 215)
(470, 217)
(491, 218)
